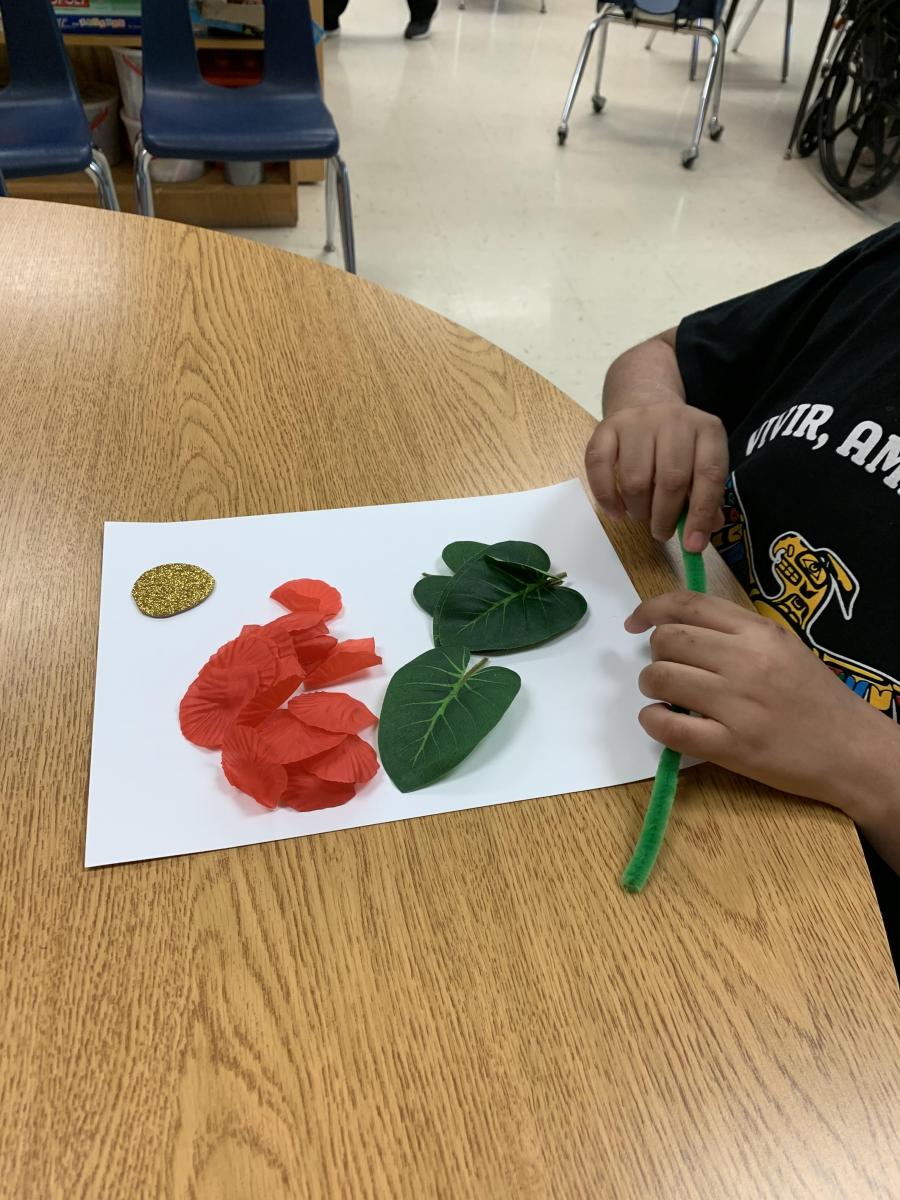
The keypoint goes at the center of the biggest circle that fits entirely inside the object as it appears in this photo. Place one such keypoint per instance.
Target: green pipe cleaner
(665, 782)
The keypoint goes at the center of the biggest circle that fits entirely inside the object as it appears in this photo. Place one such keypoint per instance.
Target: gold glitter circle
(172, 588)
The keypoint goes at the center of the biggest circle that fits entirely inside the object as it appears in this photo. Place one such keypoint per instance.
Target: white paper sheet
(573, 726)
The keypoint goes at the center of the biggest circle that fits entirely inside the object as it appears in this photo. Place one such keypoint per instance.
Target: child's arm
(771, 710)
(653, 452)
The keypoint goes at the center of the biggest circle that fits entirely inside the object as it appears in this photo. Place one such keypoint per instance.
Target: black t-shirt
(805, 375)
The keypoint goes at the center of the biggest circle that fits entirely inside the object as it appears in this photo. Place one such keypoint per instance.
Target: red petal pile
(308, 755)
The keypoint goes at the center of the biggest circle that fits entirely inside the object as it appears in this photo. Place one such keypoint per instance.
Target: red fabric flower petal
(306, 759)
(265, 702)
(332, 710)
(233, 675)
(351, 761)
(346, 659)
(284, 739)
(280, 634)
(300, 636)
(312, 651)
(297, 594)
(306, 623)
(212, 702)
(306, 793)
(246, 650)
(245, 767)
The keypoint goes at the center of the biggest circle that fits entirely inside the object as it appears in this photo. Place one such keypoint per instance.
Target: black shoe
(416, 31)
(333, 31)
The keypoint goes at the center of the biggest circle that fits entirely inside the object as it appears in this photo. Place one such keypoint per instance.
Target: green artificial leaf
(524, 571)
(520, 552)
(498, 603)
(428, 591)
(435, 712)
(458, 553)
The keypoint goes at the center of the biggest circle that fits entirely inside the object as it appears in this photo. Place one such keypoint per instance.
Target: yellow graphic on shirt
(809, 579)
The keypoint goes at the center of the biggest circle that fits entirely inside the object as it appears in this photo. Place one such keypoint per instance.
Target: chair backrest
(37, 57)
(290, 46)
(171, 59)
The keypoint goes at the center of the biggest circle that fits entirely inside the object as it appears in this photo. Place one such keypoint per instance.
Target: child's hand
(647, 460)
(770, 709)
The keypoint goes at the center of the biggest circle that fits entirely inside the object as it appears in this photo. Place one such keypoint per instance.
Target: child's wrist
(867, 777)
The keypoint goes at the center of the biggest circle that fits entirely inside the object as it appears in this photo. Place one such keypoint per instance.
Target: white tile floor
(564, 256)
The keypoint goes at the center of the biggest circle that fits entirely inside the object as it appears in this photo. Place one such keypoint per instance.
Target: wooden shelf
(207, 201)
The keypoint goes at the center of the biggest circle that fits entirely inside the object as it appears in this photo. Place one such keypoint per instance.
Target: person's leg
(332, 17)
(420, 14)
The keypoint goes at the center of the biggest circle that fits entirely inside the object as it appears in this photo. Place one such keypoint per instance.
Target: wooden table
(463, 1006)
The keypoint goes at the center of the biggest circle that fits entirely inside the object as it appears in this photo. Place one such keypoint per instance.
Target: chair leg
(597, 100)
(648, 45)
(716, 128)
(695, 53)
(742, 32)
(689, 156)
(3, 191)
(99, 171)
(143, 186)
(345, 212)
(563, 128)
(732, 13)
(788, 33)
(330, 203)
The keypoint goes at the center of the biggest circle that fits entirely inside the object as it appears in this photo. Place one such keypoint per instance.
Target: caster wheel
(598, 103)
(561, 134)
(688, 158)
(716, 130)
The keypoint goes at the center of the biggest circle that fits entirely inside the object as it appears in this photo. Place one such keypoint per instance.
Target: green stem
(665, 783)
(482, 662)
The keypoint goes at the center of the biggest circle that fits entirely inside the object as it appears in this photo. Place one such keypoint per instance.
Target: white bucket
(164, 170)
(100, 102)
(130, 70)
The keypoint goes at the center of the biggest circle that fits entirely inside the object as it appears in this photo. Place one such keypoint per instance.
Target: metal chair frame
(337, 196)
(788, 34)
(710, 93)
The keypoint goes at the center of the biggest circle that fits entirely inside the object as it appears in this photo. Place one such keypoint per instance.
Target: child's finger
(672, 478)
(635, 468)
(600, 463)
(689, 608)
(709, 475)
(699, 737)
(687, 687)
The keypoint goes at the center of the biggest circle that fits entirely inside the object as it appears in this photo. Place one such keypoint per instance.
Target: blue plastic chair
(43, 129)
(279, 119)
(677, 16)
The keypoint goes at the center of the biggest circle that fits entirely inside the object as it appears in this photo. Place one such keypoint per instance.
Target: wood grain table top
(461, 1006)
